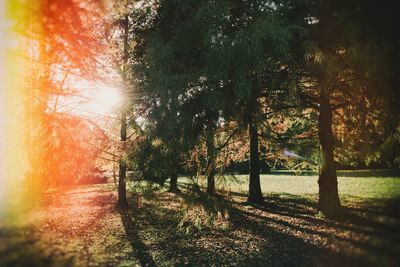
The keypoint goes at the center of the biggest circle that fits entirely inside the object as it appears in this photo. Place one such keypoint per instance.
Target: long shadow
(305, 230)
(277, 248)
(359, 221)
(296, 207)
(285, 249)
(301, 208)
(141, 251)
(282, 241)
(179, 245)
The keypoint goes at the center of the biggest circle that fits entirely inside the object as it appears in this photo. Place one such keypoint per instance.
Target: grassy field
(80, 226)
(357, 187)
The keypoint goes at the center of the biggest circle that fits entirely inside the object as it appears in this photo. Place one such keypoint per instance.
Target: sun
(92, 99)
(109, 96)
(106, 99)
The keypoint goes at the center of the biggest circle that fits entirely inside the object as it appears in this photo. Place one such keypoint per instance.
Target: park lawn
(79, 226)
(349, 187)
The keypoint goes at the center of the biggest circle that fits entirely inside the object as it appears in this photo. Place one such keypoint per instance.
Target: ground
(80, 226)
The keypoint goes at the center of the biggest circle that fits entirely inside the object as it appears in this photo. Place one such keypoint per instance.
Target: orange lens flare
(46, 46)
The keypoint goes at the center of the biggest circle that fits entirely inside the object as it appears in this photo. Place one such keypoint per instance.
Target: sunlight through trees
(217, 115)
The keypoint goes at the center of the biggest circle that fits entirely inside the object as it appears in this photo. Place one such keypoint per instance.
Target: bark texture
(122, 201)
(255, 194)
(328, 202)
(174, 181)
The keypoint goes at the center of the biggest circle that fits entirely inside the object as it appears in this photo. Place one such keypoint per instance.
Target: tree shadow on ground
(19, 248)
(286, 231)
(141, 251)
(369, 229)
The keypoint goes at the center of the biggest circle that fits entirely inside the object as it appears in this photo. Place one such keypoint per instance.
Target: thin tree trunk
(175, 146)
(122, 201)
(328, 202)
(211, 161)
(211, 181)
(255, 194)
(173, 186)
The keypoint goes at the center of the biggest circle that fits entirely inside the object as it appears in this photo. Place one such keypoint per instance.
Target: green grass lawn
(349, 187)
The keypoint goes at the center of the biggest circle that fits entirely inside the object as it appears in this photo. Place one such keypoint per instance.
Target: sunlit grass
(356, 187)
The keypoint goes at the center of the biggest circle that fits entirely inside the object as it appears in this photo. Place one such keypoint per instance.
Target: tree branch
(227, 141)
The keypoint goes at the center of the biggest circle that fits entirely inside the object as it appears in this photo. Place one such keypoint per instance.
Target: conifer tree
(225, 54)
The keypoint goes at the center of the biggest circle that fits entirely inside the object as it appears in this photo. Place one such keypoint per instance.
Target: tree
(163, 83)
(122, 201)
(222, 56)
(76, 139)
(122, 30)
(338, 71)
(256, 46)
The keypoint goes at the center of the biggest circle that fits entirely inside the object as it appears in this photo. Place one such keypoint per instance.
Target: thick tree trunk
(328, 202)
(255, 194)
(210, 161)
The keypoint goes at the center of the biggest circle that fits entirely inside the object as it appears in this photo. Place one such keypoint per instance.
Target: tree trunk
(210, 161)
(173, 187)
(255, 194)
(122, 201)
(328, 202)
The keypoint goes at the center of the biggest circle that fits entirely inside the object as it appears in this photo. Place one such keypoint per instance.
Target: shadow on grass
(370, 227)
(248, 242)
(286, 231)
(367, 235)
(17, 249)
(140, 249)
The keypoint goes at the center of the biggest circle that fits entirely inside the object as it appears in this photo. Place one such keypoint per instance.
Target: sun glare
(106, 99)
